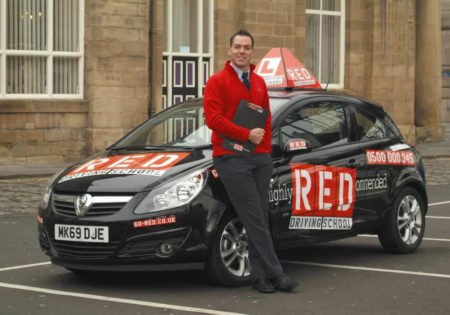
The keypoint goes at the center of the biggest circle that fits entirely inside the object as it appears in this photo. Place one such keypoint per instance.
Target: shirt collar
(239, 71)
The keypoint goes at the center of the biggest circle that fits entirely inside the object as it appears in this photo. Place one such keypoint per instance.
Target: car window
(393, 130)
(318, 124)
(369, 127)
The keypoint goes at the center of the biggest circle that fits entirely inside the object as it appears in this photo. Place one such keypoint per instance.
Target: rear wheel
(405, 226)
(229, 263)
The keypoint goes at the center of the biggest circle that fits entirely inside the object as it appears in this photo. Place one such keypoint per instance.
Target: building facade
(75, 75)
(445, 9)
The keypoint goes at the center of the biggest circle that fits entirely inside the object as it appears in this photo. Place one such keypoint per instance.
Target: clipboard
(250, 116)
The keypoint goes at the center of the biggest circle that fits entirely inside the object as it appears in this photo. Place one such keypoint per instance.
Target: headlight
(46, 197)
(47, 192)
(173, 193)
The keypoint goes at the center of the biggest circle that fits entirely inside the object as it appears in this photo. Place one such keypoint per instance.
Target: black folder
(249, 116)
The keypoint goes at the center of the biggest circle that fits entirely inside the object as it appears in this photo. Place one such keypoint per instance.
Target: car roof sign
(280, 69)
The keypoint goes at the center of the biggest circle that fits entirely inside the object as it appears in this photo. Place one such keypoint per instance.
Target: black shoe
(263, 286)
(284, 283)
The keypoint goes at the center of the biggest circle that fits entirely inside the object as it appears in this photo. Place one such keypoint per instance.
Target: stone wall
(116, 92)
(380, 56)
(122, 69)
(42, 131)
(379, 45)
(116, 68)
(279, 23)
(445, 9)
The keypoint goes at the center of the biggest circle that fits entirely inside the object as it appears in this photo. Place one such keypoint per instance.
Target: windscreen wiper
(148, 147)
(165, 148)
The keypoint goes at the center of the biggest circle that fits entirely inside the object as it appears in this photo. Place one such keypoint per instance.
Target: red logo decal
(156, 161)
(298, 73)
(238, 147)
(297, 145)
(320, 190)
(255, 107)
(151, 164)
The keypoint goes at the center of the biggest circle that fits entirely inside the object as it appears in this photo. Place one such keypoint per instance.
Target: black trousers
(246, 180)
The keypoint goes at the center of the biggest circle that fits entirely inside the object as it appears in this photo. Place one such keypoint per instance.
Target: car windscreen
(180, 126)
(276, 103)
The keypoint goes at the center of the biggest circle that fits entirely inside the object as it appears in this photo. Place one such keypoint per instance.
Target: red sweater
(223, 92)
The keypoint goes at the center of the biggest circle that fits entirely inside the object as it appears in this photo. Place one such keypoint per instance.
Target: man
(246, 179)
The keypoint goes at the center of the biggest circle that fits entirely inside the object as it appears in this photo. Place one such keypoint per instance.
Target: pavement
(437, 149)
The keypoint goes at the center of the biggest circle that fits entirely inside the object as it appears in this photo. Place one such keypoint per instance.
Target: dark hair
(241, 33)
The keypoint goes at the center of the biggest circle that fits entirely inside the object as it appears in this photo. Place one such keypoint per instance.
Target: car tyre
(228, 263)
(405, 225)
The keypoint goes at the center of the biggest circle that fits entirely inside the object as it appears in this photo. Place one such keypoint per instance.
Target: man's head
(241, 49)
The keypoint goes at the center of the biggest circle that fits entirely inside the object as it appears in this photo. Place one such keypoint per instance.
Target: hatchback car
(154, 199)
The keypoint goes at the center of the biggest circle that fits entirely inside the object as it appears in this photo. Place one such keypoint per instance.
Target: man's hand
(256, 135)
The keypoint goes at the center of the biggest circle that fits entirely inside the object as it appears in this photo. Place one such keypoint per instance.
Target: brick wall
(116, 68)
(42, 132)
(380, 45)
(445, 9)
(116, 98)
(123, 69)
(279, 23)
(380, 56)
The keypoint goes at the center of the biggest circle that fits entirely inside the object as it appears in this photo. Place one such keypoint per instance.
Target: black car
(153, 199)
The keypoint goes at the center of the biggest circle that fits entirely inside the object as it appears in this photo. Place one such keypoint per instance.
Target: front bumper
(128, 246)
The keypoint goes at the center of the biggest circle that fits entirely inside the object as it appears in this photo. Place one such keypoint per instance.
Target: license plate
(81, 233)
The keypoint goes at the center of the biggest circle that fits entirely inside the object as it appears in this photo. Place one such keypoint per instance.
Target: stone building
(75, 75)
(445, 60)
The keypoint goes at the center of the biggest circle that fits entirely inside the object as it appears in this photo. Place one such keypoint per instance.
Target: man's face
(241, 52)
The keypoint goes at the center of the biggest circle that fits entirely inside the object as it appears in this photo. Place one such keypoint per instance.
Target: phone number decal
(390, 157)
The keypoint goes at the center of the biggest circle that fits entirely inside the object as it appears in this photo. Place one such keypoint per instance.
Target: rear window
(392, 127)
(369, 127)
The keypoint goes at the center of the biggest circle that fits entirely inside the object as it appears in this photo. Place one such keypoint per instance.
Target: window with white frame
(325, 41)
(187, 49)
(41, 48)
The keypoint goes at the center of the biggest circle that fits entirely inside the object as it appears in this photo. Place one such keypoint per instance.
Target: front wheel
(229, 263)
(405, 226)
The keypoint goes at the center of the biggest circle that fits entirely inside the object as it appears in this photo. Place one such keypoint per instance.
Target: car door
(314, 191)
(375, 178)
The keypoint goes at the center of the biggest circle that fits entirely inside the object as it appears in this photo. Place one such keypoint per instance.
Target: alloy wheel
(234, 249)
(409, 219)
